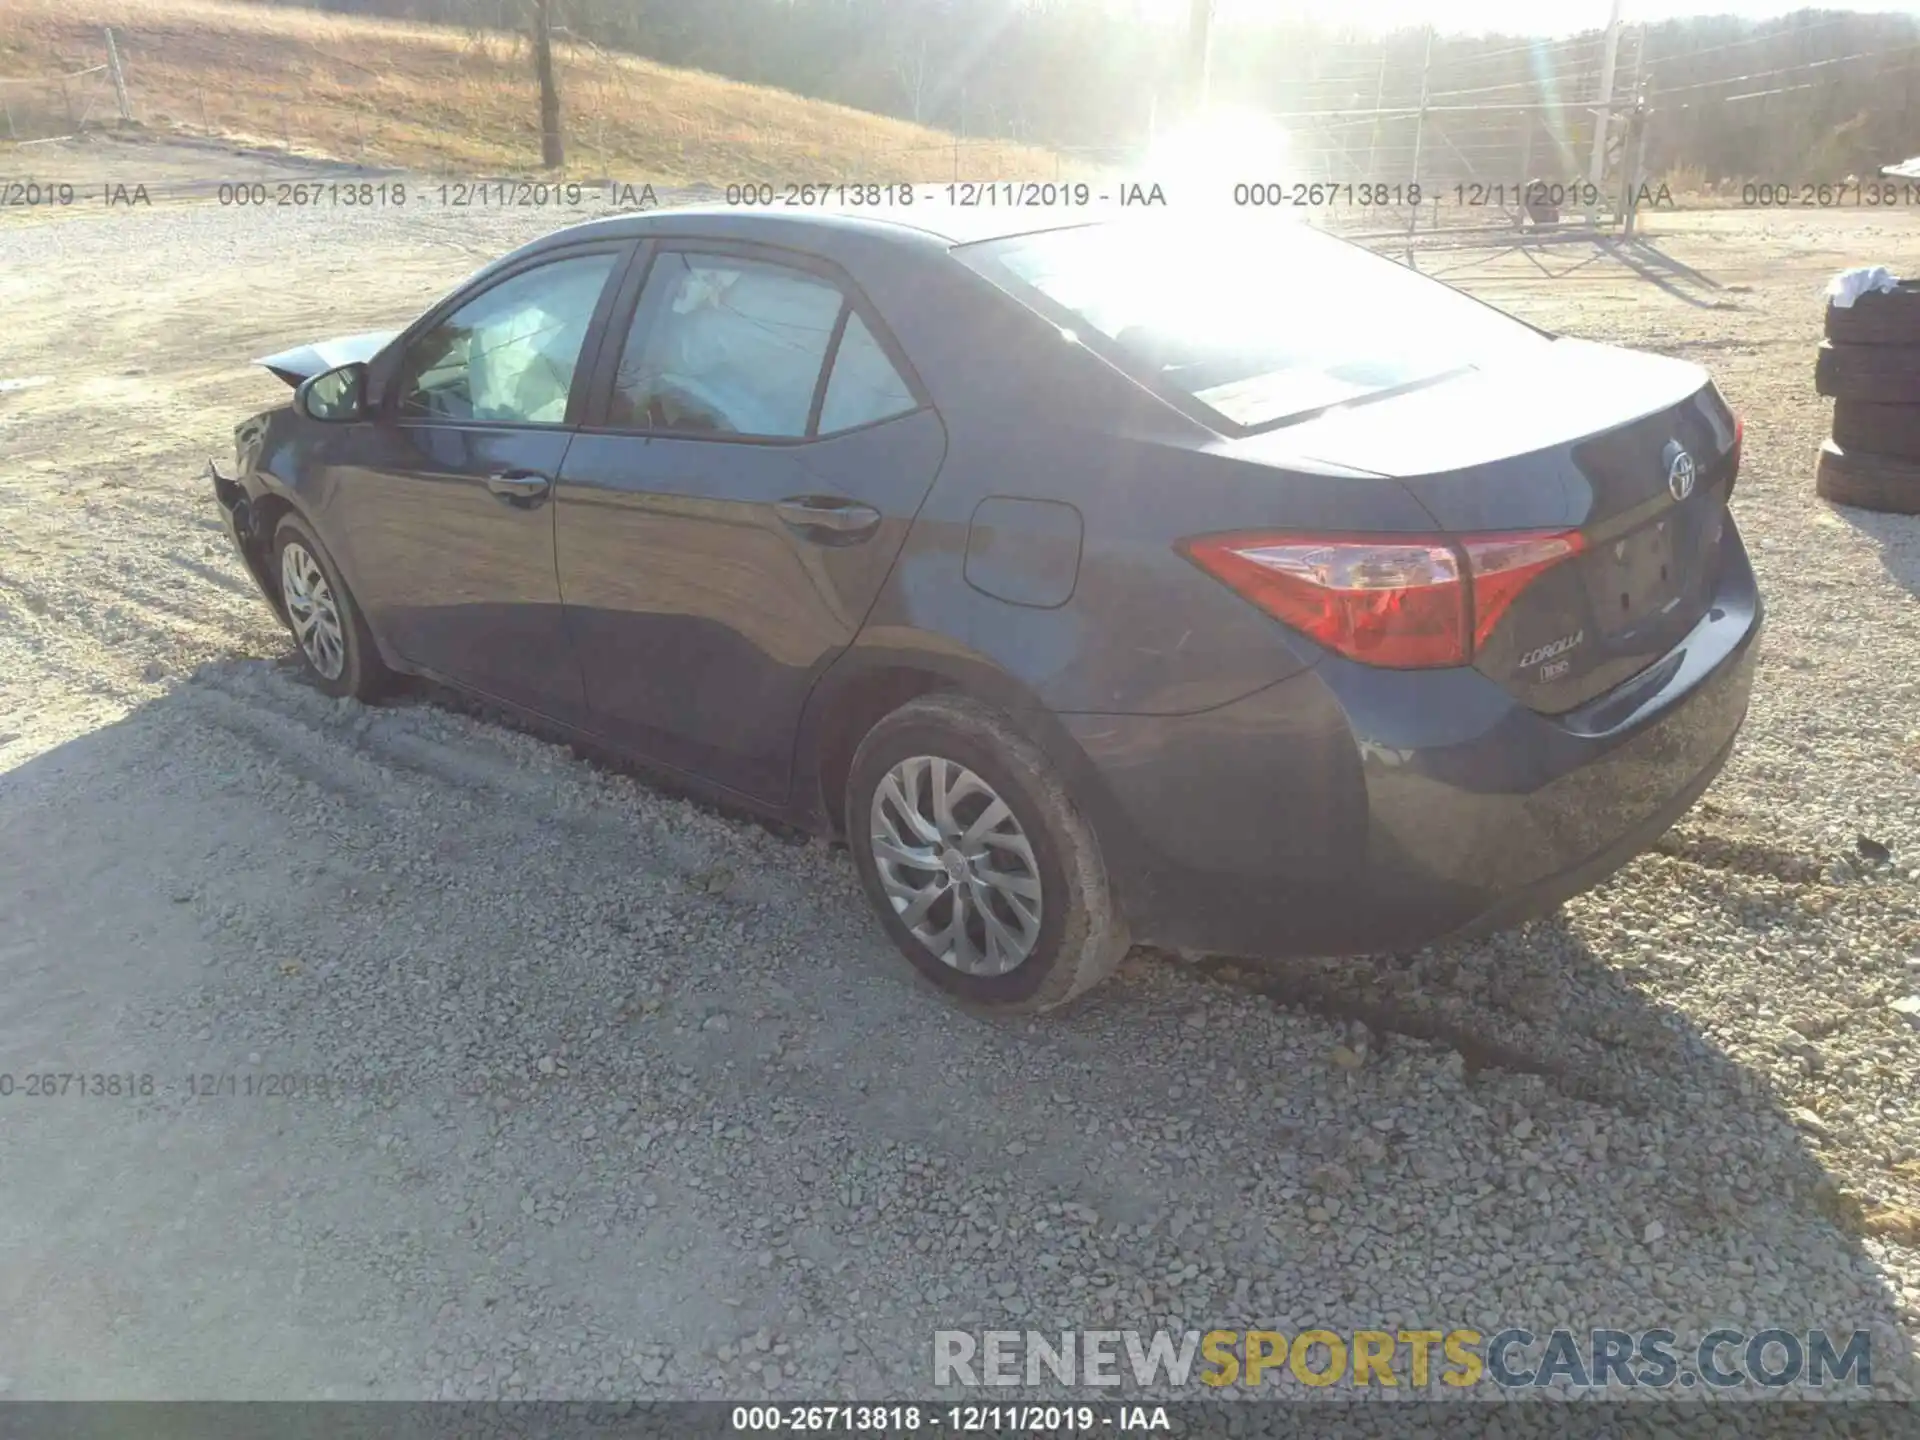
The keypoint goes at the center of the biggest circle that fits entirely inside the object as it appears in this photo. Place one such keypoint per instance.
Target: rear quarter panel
(1033, 415)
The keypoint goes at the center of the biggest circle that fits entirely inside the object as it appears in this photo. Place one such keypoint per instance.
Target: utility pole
(1603, 115)
(1379, 99)
(1637, 138)
(552, 151)
(1633, 144)
(1419, 136)
(1199, 44)
(119, 78)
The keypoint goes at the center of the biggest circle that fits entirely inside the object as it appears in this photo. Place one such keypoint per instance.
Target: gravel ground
(628, 1098)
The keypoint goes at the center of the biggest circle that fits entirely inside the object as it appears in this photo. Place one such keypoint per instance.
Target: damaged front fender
(244, 525)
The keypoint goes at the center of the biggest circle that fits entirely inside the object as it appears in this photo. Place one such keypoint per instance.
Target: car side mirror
(334, 395)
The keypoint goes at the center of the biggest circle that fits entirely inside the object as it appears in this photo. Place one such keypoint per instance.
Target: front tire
(984, 873)
(334, 641)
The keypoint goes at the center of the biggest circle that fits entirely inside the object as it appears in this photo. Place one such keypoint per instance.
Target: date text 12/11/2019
(959, 194)
(144, 1085)
(957, 1419)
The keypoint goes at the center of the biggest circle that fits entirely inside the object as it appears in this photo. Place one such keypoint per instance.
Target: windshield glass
(1256, 323)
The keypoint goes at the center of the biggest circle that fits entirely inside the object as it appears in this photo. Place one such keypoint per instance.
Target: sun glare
(1208, 156)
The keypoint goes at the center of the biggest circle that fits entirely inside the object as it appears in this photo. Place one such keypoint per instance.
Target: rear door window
(727, 346)
(865, 387)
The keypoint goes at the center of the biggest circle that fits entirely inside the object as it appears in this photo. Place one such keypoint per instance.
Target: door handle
(519, 484)
(845, 519)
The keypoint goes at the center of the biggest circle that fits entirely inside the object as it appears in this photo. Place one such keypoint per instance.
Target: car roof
(826, 230)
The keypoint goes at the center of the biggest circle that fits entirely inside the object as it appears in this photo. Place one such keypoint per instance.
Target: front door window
(508, 355)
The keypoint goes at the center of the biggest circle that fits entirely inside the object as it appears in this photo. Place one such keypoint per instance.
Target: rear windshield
(1258, 324)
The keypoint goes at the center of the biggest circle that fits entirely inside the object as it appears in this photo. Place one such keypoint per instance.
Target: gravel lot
(630, 1098)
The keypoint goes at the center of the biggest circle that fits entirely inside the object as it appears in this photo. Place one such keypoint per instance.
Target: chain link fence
(54, 107)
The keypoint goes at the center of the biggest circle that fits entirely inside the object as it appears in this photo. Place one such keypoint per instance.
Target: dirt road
(585, 1091)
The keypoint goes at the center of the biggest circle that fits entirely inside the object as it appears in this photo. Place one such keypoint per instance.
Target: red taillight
(1403, 604)
(1384, 602)
(1504, 565)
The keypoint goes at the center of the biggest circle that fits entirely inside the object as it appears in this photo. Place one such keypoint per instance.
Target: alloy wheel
(311, 608)
(956, 865)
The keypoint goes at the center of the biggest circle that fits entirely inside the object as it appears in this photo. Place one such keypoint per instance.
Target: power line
(1324, 88)
(1381, 48)
(1787, 33)
(1534, 47)
(1777, 90)
(1799, 69)
(1388, 111)
(1760, 94)
(1537, 83)
(1328, 84)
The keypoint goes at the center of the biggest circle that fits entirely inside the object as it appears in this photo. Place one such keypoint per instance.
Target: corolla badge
(1680, 474)
(1550, 650)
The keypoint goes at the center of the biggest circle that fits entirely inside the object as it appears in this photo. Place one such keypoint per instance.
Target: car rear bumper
(1352, 809)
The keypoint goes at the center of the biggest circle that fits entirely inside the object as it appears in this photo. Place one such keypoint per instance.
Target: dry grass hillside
(445, 100)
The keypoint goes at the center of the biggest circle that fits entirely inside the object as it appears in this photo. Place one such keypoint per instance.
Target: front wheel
(334, 641)
(986, 876)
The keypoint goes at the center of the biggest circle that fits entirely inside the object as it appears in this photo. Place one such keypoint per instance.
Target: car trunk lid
(1633, 454)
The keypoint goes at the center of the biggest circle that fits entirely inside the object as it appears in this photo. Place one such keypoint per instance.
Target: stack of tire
(1870, 365)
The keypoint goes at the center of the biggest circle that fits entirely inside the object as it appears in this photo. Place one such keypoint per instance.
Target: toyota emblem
(1680, 475)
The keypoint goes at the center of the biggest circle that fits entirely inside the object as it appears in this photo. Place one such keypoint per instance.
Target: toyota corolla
(1234, 591)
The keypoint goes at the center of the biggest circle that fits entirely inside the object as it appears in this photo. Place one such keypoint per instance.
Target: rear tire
(334, 643)
(1885, 374)
(1881, 317)
(1872, 482)
(1009, 870)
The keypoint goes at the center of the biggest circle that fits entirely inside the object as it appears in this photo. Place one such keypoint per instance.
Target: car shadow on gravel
(1728, 1165)
(610, 1061)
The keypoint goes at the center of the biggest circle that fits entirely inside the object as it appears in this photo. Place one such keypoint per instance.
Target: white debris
(1849, 285)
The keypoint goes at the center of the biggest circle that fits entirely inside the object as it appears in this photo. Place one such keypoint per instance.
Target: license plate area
(1635, 577)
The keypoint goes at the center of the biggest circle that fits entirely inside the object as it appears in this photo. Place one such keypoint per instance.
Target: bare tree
(552, 150)
(913, 69)
(1199, 47)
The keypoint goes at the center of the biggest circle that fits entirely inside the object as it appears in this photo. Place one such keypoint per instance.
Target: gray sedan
(1228, 590)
